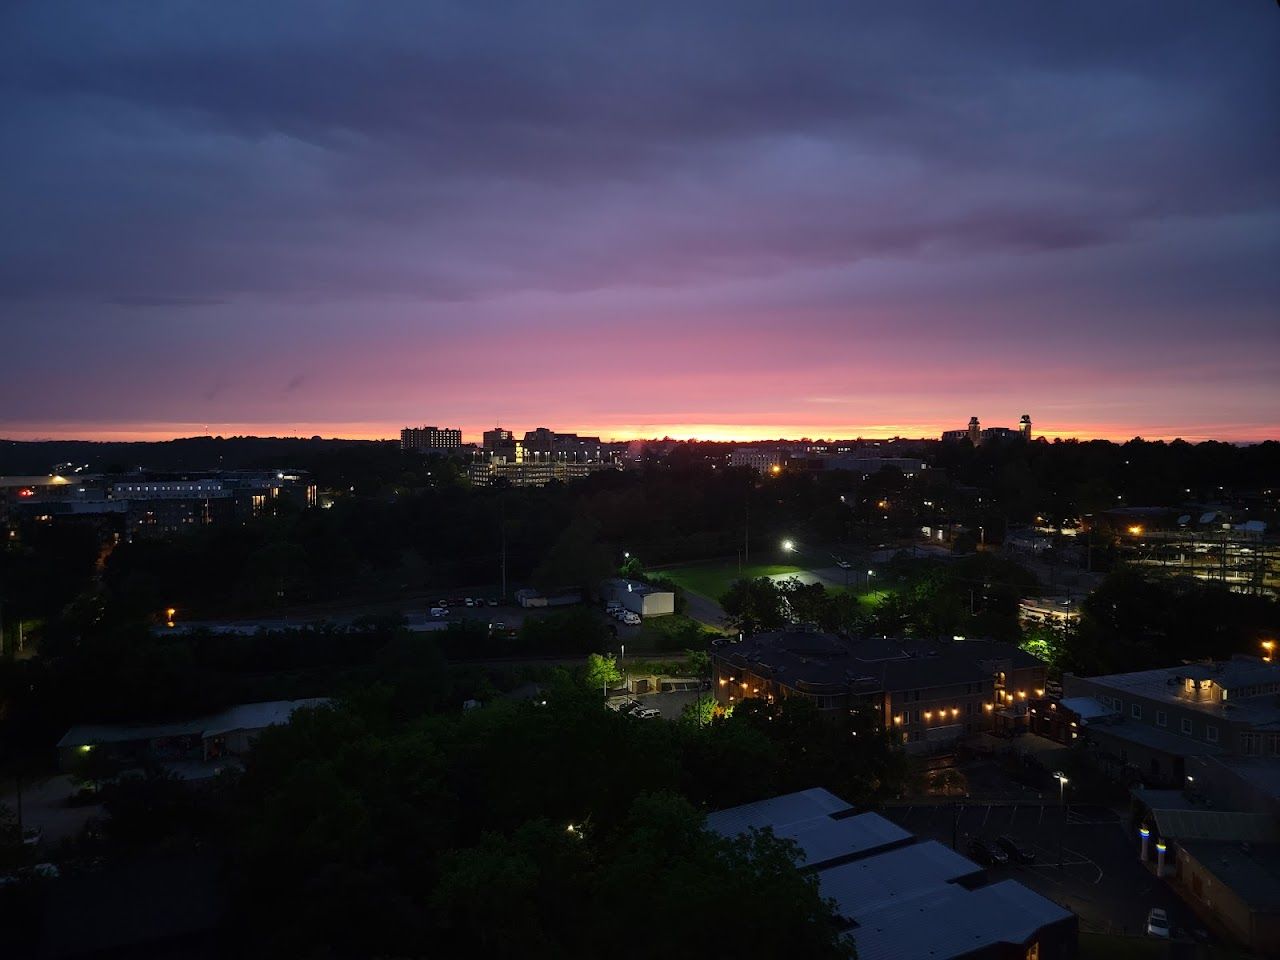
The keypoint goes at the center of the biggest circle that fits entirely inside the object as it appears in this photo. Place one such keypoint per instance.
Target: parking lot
(1100, 878)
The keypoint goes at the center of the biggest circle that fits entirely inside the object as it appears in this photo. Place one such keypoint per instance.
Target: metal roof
(1183, 825)
(248, 716)
(776, 812)
(918, 870)
(954, 922)
(823, 839)
(1251, 872)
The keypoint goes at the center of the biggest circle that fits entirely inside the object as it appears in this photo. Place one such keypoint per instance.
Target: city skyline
(724, 222)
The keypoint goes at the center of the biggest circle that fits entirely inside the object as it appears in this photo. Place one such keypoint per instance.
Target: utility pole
(503, 522)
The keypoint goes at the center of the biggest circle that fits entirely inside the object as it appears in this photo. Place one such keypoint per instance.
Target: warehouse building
(903, 898)
(639, 597)
(230, 732)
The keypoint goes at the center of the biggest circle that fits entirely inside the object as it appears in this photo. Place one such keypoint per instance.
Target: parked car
(631, 618)
(493, 602)
(1016, 851)
(1158, 923)
(439, 611)
(987, 854)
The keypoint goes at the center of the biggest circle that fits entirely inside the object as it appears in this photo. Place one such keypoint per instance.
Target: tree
(1043, 642)
(601, 672)
(699, 663)
(753, 605)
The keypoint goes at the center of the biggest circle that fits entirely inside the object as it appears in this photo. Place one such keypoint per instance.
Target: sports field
(712, 580)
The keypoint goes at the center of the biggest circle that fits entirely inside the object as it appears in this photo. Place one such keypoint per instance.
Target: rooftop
(248, 716)
(922, 869)
(1250, 870)
(1262, 773)
(1183, 825)
(954, 922)
(812, 658)
(917, 901)
(776, 812)
(1250, 684)
(1143, 734)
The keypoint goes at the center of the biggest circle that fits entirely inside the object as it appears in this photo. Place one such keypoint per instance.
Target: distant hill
(188, 453)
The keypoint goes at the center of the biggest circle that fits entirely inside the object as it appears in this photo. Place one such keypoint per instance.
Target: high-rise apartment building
(430, 438)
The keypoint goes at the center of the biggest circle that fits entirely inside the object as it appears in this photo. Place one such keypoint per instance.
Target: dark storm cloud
(453, 151)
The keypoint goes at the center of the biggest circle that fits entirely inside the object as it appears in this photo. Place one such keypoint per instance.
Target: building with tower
(977, 435)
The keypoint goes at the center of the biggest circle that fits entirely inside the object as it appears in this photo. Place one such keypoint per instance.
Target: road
(1101, 879)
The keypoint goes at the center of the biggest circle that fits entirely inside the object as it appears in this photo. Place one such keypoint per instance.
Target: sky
(718, 219)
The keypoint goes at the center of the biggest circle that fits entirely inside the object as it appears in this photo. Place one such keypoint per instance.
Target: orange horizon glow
(707, 432)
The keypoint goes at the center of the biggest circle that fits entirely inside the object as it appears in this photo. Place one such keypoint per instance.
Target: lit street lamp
(789, 546)
(1062, 802)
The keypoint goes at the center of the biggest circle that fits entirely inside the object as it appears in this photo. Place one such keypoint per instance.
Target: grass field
(712, 580)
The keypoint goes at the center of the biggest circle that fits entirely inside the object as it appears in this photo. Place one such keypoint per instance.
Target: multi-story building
(759, 459)
(486, 473)
(1157, 723)
(540, 457)
(158, 505)
(430, 439)
(976, 434)
(928, 693)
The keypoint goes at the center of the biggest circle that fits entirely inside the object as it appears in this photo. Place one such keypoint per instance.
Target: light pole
(870, 574)
(1062, 802)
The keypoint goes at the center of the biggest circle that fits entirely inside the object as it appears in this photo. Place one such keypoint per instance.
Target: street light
(1269, 646)
(1062, 802)
(789, 546)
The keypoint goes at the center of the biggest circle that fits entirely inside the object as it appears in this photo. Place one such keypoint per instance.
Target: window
(1162, 718)
(1186, 726)
(1251, 744)
(1273, 744)
(1135, 711)
(1211, 734)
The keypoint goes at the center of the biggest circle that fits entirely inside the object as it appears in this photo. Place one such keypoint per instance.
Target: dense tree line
(531, 830)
